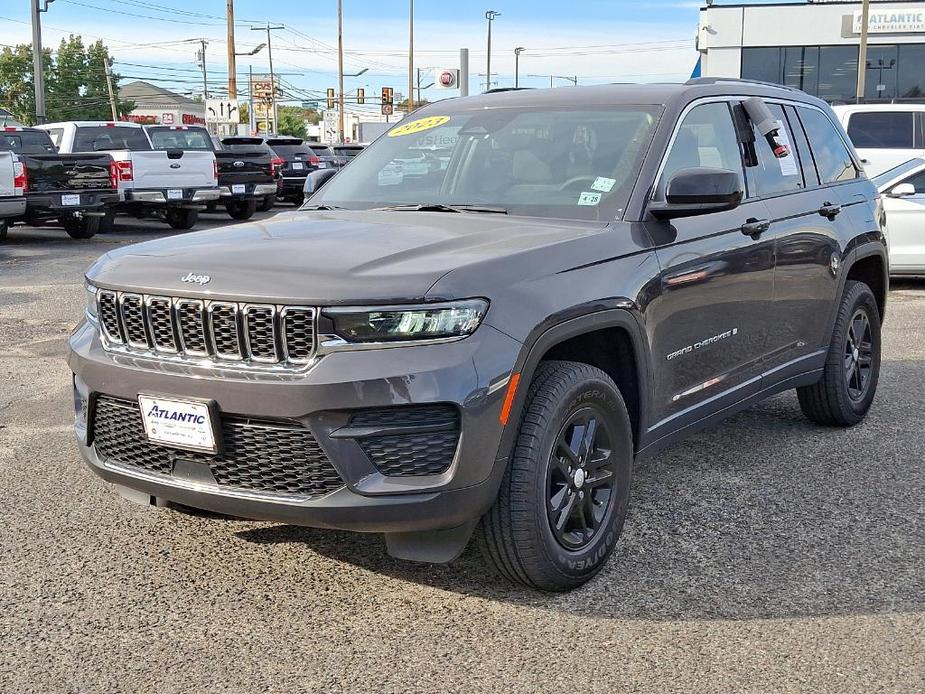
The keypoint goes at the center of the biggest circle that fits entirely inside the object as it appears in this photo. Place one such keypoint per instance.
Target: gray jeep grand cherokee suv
(488, 343)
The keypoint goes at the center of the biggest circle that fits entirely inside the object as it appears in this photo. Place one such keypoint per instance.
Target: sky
(595, 40)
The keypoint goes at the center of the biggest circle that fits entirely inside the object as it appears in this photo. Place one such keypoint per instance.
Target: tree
(75, 82)
(291, 121)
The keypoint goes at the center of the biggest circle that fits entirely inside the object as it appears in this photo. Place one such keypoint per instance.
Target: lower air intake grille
(423, 443)
(257, 455)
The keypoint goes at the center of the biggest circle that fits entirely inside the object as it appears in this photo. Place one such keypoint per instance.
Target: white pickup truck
(12, 185)
(171, 184)
(884, 135)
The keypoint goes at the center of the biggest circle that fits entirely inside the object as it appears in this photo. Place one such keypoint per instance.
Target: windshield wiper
(440, 207)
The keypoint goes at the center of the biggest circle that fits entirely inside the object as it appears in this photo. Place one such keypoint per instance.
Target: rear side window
(289, 151)
(26, 142)
(775, 175)
(707, 138)
(833, 161)
(882, 129)
(56, 134)
(97, 138)
(323, 151)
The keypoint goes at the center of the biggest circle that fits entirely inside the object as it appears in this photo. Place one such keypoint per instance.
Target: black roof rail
(737, 80)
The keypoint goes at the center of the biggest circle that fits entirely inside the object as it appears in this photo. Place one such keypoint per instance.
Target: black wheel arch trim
(571, 323)
(859, 248)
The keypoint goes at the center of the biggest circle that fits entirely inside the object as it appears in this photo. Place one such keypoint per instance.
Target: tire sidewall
(859, 296)
(576, 565)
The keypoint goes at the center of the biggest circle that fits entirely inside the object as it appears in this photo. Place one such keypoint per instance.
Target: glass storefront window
(882, 67)
(838, 73)
(763, 64)
(910, 79)
(801, 68)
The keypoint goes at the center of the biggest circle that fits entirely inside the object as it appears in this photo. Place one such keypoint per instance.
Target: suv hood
(335, 257)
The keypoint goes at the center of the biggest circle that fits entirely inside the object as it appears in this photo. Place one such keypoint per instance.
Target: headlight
(90, 294)
(397, 323)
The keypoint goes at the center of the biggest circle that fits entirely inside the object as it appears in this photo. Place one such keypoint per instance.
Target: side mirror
(316, 179)
(902, 190)
(699, 190)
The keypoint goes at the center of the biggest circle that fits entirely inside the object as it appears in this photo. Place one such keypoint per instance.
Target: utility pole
(268, 29)
(251, 116)
(107, 68)
(340, 70)
(862, 53)
(517, 52)
(202, 62)
(232, 60)
(38, 76)
(411, 57)
(464, 72)
(490, 16)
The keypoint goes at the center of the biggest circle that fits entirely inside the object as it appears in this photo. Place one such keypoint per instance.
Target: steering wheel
(577, 179)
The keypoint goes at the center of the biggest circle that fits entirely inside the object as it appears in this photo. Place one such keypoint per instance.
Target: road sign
(387, 109)
(262, 86)
(446, 78)
(222, 110)
(329, 134)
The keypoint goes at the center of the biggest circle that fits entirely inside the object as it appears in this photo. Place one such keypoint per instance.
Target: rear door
(905, 218)
(708, 322)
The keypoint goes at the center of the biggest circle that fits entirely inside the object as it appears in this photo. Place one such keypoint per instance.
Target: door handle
(755, 227)
(829, 211)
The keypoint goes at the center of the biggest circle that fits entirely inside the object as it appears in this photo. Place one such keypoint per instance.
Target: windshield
(100, 138)
(170, 138)
(27, 142)
(565, 163)
(896, 172)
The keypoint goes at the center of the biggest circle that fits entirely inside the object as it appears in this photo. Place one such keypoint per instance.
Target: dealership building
(814, 46)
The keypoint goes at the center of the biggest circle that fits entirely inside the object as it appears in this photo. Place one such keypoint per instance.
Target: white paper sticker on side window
(788, 163)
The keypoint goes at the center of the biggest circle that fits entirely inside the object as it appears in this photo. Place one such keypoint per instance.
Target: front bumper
(163, 197)
(470, 374)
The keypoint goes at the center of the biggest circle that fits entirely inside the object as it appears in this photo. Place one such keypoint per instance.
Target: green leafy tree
(291, 121)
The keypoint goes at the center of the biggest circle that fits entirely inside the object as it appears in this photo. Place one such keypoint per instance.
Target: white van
(884, 135)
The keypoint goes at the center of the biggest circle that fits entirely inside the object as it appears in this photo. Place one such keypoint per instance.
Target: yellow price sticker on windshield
(419, 125)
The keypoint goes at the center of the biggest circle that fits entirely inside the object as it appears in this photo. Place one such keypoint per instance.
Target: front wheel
(846, 390)
(81, 227)
(564, 496)
(181, 218)
(241, 209)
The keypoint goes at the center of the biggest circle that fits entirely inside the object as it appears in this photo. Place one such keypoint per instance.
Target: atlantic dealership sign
(891, 20)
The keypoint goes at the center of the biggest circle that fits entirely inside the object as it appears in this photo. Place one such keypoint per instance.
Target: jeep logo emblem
(239, 164)
(196, 279)
(174, 166)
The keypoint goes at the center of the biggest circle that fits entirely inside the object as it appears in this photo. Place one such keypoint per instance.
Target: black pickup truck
(75, 189)
(247, 168)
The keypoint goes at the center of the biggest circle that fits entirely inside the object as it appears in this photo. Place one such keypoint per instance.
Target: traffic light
(361, 95)
(387, 94)
(330, 98)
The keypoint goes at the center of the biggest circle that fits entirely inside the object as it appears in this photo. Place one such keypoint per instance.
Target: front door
(707, 320)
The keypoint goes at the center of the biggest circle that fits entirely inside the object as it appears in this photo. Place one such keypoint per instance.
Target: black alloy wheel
(858, 355)
(580, 479)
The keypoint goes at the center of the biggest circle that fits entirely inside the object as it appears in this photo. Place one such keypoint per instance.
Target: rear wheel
(846, 390)
(81, 227)
(107, 223)
(182, 218)
(4, 227)
(241, 209)
(564, 496)
(267, 203)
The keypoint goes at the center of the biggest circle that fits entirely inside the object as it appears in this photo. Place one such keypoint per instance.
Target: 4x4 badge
(196, 279)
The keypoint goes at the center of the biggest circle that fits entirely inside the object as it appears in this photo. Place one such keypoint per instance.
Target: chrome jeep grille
(258, 335)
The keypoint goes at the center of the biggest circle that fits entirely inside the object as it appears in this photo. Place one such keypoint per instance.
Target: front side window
(831, 155)
(705, 138)
(882, 129)
(574, 162)
(918, 181)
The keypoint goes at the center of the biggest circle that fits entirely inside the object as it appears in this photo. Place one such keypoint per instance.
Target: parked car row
(80, 174)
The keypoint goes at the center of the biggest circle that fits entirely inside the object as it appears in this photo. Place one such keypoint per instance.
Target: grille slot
(253, 335)
(223, 322)
(259, 456)
(107, 308)
(299, 333)
(424, 441)
(160, 320)
(133, 320)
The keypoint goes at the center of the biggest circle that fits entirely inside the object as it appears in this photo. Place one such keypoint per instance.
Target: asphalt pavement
(763, 555)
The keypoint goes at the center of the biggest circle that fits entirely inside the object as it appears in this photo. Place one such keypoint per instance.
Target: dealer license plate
(70, 199)
(238, 189)
(174, 194)
(322, 165)
(297, 166)
(180, 423)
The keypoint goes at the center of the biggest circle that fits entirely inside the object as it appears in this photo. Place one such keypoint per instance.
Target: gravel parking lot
(763, 555)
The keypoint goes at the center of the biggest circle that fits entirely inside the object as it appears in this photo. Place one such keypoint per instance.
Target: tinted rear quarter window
(323, 151)
(882, 129)
(833, 161)
(97, 138)
(167, 138)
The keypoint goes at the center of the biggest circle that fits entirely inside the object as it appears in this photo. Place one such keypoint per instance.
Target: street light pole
(490, 16)
(862, 53)
(205, 81)
(340, 71)
(232, 60)
(268, 29)
(517, 52)
(411, 57)
(38, 76)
